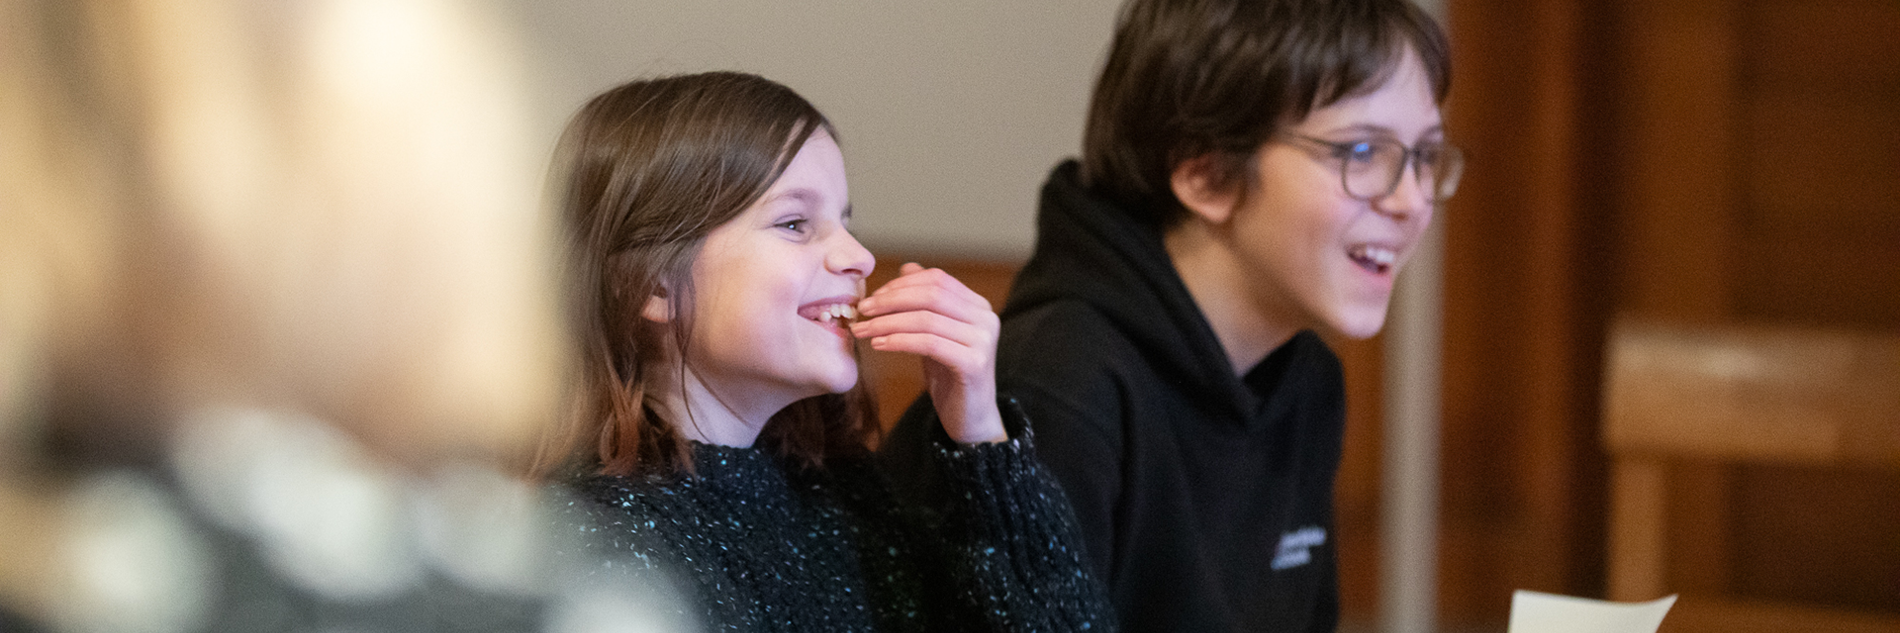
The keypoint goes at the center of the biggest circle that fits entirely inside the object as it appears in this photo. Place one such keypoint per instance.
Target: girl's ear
(1201, 191)
(658, 309)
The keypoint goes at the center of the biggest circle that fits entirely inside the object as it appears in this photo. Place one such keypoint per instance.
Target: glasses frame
(1451, 165)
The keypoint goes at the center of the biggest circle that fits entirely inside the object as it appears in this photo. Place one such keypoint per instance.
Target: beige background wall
(951, 113)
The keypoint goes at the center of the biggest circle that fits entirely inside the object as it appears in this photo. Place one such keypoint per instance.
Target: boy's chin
(1360, 326)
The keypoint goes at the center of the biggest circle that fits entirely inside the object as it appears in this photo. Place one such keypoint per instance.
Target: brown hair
(645, 171)
(1192, 78)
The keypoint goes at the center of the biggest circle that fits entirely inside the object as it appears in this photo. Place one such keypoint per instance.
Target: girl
(722, 429)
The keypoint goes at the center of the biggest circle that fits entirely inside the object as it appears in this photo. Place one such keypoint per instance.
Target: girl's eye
(795, 226)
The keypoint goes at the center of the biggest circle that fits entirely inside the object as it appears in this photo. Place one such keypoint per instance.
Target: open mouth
(839, 314)
(1377, 259)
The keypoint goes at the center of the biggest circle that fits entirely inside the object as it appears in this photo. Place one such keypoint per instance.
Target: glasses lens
(1449, 167)
(1372, 168)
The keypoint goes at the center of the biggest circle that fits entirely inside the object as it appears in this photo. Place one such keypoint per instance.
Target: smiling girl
(722, 428)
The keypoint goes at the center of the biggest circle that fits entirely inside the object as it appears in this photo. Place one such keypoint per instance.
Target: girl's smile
(777, 288)
(835, 313)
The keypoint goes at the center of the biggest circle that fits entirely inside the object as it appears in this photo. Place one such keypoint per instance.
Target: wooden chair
(1737, 394)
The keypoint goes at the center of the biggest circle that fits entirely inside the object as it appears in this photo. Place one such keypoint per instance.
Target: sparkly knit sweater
(758, 544)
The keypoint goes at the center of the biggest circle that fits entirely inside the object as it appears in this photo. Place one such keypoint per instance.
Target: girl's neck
(709, 415)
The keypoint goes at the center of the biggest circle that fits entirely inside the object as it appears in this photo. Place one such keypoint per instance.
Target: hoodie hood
(1092, 250)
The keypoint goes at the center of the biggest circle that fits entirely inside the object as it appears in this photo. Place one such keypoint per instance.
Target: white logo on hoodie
(1296, 547)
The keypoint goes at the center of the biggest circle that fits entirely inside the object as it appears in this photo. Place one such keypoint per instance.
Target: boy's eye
(1360, 152)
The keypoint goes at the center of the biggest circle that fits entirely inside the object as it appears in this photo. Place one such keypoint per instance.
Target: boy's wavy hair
(643, 173)
(1192, 78)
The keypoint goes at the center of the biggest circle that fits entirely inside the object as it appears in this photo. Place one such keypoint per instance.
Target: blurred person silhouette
(275, 317)
(1253, 173)
(722, 430)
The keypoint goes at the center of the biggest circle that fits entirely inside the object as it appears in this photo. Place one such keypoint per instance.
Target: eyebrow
(806, 196)
(1439, 128)
(800, 194)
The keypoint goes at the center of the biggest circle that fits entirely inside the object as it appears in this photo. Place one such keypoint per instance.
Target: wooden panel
(1677, 190)
(1754, 393)
(1526, 294)
(1678, 397)
(1845, 279)
(1844, 45)
(1744, 152)
(1820, 223)
(1693, 614)
(1820, 234)
(1820, 536)
(1823, 167)
(1676, 139)
(1638, 523)
(1702, 503)
(1357, 493)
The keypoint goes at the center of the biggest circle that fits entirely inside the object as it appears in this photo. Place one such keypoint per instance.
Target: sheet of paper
(1536, 612)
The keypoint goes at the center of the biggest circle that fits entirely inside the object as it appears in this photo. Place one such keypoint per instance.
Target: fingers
(927, 301)
(955, 356)
(919, 288)
(909, 326)
(927, 312)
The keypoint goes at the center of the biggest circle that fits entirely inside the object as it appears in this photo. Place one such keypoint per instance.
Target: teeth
(1379, 256)
(839, 312)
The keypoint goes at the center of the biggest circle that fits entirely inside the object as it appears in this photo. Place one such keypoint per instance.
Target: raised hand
(927, 312)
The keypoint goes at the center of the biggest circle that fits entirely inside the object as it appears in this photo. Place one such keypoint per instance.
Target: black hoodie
(1205, 498)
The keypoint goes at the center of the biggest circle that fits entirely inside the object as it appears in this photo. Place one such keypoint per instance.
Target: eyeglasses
(1372, 169)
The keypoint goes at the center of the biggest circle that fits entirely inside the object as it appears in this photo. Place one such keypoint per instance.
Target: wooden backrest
(1753, 393)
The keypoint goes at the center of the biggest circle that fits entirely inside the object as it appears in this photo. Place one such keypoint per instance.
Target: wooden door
(1699, 160)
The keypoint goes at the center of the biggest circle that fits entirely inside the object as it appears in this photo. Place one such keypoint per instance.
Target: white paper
(1536, 612)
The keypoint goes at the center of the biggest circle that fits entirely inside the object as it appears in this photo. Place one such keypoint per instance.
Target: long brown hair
(645, 171)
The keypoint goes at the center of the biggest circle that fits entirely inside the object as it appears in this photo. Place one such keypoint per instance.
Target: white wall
(951, 113)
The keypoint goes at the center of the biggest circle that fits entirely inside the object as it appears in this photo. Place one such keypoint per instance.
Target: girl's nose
(850, 258)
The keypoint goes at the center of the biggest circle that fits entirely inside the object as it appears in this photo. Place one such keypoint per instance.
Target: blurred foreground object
(1737, 394)
(275, 316)
(267, 521)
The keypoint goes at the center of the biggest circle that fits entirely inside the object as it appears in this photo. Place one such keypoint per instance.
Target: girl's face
(1318, 257)
(773, 287)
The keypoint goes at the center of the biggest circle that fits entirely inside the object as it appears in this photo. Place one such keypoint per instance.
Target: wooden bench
(1737, 394)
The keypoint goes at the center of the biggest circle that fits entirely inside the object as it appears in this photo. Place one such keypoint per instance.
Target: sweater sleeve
(1012, 539)
(1076, 448)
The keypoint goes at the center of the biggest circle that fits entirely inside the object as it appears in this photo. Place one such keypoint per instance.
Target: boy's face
(1315, 256)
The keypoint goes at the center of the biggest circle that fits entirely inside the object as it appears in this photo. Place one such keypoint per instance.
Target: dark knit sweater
(762, 545)
(1204, 497)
